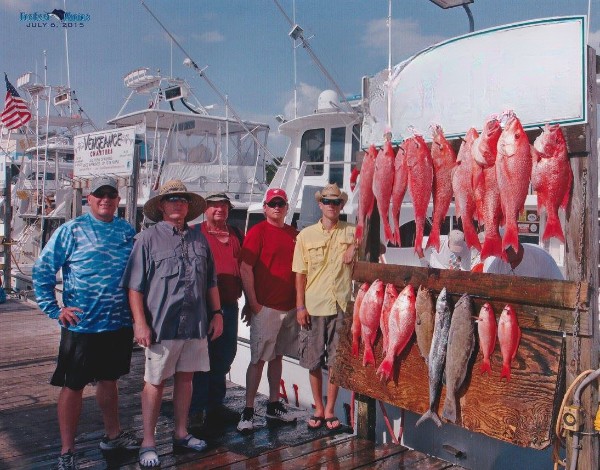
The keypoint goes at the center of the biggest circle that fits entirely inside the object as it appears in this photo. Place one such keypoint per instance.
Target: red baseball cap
(274, 193)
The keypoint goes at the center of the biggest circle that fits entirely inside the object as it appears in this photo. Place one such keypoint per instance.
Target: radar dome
(328, 101)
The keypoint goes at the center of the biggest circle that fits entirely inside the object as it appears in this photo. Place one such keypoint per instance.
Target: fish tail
(553, 228)
(355, 347)
(486, 366)
(432, 415)
(434, 238)
(359, 231)
(511, 237)
(505, 372)
(449, 408)
(492, 246)
(471, 238)
(387, 230)
(368, 357)
(385, 369)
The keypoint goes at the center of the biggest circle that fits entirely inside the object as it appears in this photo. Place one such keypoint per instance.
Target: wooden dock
(29, 436)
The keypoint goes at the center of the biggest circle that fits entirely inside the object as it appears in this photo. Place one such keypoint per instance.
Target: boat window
(312, 150)
(355, 142)
(338, 145)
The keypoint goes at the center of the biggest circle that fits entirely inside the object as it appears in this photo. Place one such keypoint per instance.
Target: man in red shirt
(207, 412)
(269, 285)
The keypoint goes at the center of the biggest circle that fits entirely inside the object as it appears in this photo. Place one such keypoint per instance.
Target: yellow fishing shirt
(318, 254)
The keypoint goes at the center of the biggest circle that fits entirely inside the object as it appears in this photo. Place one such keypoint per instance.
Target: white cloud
(307, 101)
(209, 36)
(407, 38)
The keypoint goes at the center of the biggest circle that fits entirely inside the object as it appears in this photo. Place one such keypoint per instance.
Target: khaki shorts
(273, 333)
(175, 355)
(318, 344)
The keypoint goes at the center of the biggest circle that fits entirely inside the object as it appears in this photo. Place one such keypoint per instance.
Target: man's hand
(246, 314)
(349, 254)
(303, 318)
(67, 316)
(142, 334)
(215, 328)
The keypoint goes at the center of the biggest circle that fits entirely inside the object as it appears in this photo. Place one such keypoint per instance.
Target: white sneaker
(246, 423)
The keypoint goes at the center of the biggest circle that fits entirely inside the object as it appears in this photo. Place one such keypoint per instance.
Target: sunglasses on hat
(335, 202)
(279, 203)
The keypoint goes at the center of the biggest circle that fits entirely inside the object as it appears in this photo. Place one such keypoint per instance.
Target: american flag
(16, 113)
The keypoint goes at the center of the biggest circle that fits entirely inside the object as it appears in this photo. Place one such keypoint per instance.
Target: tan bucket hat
(174, 188)
(331, 191)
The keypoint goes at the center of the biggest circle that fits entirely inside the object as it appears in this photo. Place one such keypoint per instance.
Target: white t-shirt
(536, 262)
(443, 259)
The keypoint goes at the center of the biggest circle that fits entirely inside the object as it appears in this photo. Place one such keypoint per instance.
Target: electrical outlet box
(571, 418)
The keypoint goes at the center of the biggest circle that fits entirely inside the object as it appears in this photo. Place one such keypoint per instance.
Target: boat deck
(29, 436)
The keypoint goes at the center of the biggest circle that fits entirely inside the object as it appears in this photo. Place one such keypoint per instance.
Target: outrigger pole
(191, 63)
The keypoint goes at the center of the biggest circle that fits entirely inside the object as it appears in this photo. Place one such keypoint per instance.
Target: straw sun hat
(174, 188)
(331, 191)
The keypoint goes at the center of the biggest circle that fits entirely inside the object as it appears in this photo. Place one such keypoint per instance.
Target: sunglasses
(276, 204)
(335, 202)
(176, 199)
(108, 194)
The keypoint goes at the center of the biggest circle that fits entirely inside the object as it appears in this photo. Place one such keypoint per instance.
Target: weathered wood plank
(518, 411)
(366, 456)
(542, 304)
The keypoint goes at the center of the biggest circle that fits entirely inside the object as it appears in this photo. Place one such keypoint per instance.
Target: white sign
(536, 68)
(3, 163)
(107, 152)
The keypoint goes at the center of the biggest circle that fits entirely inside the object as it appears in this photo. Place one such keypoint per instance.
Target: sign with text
(107, 152)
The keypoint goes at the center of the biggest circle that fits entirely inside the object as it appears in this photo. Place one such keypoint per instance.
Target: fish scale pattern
(93, 255)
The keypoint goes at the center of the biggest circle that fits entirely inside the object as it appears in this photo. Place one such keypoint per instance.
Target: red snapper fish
(509, 336)
(356, 318)
(486, 330)
(383, 183)
(420, 183)
(401, 328)
(365, 184)
(551, 177)
(485, 186)
(513, 171)
(370, 313)
(464, 197)
(391, 293)
(444, 161)
(399, 189)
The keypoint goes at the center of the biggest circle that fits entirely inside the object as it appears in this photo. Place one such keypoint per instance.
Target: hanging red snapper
(420, 183)
(391, 293)
(365, 183)
(513, 172)
(485, 187)
(464, 197)
(444, 161)
(401, 328)
(399, 189)
(509, 336)
(356, 318)
(551, 177)
(486, 330)
(383, 183)
(370, 313)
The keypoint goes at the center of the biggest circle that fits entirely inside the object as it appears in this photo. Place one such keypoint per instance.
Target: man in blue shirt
(95, 319)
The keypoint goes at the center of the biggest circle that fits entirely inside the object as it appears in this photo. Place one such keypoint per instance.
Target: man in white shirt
(453, 253)
(529, 261)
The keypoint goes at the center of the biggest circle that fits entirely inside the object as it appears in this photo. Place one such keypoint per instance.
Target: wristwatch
(217, 311)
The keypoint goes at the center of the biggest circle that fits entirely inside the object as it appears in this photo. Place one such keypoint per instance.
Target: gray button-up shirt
(174, 271)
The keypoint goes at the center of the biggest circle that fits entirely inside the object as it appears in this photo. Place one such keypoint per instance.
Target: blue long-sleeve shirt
(93, 255)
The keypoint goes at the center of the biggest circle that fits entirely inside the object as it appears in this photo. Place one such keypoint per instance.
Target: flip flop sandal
(148, 458)
(189, 442)
(320, 420)
(332, 420)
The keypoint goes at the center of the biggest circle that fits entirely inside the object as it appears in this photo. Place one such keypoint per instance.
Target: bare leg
(332, 392)
(151, 401)
(253, 376)
(69, 410)
(182, 397)
(107, 397)
(274, 376)
(316, 385)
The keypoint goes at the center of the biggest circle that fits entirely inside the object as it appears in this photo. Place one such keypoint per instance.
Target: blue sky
(245, 45)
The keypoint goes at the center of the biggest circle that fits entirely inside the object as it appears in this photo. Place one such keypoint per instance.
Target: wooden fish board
(519, 411)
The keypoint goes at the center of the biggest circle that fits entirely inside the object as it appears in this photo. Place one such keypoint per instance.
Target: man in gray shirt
(172, 280)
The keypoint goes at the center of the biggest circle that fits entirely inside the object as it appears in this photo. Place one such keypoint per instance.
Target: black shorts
(90, 357)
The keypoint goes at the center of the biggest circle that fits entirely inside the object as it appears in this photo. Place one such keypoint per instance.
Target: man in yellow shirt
(323, 259)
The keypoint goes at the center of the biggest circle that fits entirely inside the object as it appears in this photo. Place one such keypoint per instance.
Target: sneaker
(125, 440)
(66, 461)
(246, 423)
(278, 411)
